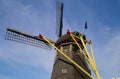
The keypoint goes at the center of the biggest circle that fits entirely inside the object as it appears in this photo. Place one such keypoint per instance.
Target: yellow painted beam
(67, 57)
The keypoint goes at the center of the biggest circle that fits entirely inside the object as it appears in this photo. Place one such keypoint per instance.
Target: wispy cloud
(108, 57)
(112, 49)
(26, 18)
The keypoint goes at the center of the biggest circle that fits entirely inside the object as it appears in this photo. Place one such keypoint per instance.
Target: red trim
(90, 42)
(40, 36)
(68, 31)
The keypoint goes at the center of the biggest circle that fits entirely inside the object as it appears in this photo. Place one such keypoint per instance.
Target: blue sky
(19, 61)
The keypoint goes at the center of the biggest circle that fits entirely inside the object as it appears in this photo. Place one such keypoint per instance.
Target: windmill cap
(67, 38)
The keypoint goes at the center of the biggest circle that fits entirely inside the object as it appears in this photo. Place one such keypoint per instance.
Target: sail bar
(21, 37)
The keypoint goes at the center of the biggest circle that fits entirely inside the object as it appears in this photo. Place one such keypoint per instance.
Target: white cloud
(108, 57)
(28, 55)
(25, 17)
(28, 19)
(112, 49)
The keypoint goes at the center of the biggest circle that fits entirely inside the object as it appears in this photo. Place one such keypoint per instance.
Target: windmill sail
(21, 37)
(59, 18)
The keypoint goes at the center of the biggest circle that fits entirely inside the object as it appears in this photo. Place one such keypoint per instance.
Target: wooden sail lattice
(18, 36)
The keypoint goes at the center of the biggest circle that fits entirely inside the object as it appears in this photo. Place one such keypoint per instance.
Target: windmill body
(64, 69)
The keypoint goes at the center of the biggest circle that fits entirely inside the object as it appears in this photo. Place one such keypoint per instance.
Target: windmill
(71, 62)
